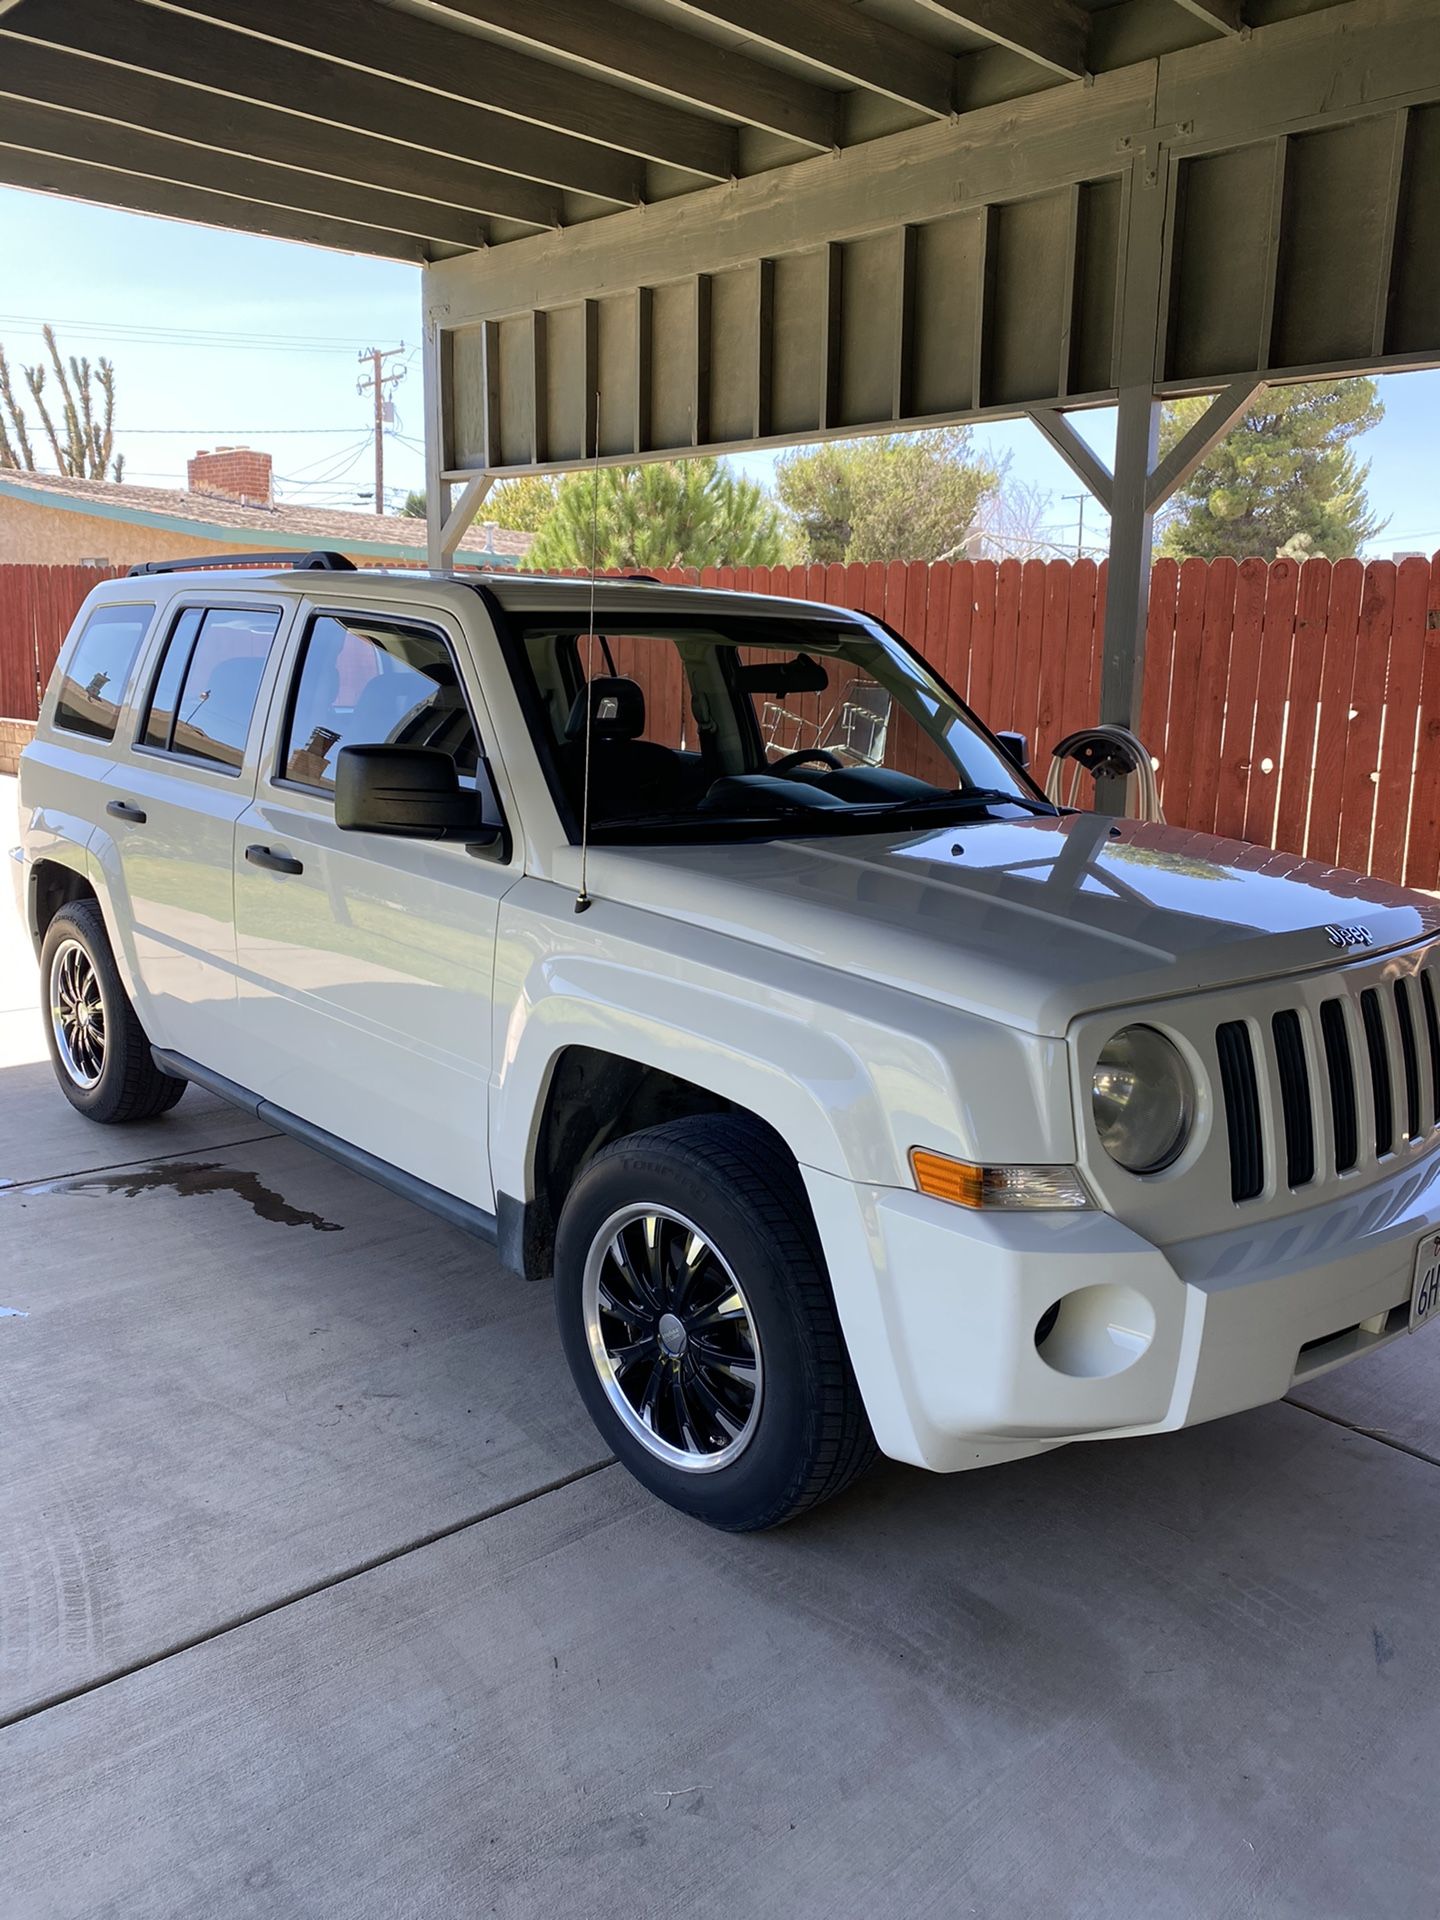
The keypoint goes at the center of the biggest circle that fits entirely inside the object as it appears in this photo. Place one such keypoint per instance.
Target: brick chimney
(232, 473)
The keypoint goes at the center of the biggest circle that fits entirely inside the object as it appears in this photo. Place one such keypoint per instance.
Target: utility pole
(377, 384)
(1080, 533)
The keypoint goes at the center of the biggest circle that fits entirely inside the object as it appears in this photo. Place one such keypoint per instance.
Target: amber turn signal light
(1010, 1188)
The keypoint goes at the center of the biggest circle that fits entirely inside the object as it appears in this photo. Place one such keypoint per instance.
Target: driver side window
(363, 682)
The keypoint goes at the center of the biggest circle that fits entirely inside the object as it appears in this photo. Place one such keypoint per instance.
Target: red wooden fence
(1294, 706)
(37, 605)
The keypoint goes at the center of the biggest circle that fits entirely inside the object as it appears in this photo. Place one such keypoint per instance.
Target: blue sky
(154, 294)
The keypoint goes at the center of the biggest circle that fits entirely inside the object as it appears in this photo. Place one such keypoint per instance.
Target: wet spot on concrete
(1384, 1652)
(190, 1177)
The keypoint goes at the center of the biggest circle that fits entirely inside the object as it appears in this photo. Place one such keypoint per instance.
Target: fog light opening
(1095, 1331)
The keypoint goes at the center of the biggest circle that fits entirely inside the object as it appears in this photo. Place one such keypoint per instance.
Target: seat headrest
(617, 709)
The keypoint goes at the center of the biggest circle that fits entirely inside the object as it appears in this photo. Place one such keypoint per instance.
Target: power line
(186, 432)
(341, 469)
(155, 333)
(330, 454)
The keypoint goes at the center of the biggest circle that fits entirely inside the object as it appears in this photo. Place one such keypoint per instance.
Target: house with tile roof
(228, 503)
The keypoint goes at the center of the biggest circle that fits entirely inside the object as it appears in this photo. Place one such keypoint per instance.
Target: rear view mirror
(800, 675)
(1017, 747)
(411, 792)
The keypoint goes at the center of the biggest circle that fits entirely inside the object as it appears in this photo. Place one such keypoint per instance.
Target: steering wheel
(789, 761)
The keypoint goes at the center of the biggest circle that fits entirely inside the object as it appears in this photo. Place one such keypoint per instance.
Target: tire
(766, 1420)
(100, 1054)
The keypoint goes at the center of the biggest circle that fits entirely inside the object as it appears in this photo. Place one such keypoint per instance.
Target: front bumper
(940, 1308)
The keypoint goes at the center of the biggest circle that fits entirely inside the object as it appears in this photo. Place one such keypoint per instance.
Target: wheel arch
(55, 883)
(591, 1097)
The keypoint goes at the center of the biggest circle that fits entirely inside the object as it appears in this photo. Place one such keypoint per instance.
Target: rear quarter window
(92, 688)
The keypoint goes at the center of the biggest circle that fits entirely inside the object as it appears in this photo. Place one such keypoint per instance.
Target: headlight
(1143, 1100)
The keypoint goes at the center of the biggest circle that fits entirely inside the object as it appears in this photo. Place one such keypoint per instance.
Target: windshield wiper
(968, 797)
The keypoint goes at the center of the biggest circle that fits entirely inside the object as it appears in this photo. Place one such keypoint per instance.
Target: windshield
(703, 727)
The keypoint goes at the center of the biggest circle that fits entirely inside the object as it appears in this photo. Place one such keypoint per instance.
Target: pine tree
(688, 513)
(1286, 477)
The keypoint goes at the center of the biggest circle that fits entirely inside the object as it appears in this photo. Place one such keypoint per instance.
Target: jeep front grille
(1295, 1098)
(1372, 1058)
(1341, 1070)
(1242, 1109)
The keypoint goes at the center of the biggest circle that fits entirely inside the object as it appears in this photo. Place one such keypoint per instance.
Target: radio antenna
(582, 898)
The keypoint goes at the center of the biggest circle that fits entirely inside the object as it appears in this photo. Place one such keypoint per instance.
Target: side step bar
(458, 1213)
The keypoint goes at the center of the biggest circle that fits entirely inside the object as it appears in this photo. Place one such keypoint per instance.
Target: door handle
(276, 862)
(123, 810)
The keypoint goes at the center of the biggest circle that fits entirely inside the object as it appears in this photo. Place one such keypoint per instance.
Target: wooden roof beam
(423, 53)
(45, 76)
(201, 56)
(101, 186)
(693, 71)
(855, 48)
(1226, 15)
(46, 131)
(1052, 33)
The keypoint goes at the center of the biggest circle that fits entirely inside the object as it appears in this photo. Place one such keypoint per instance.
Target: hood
(1031, 922)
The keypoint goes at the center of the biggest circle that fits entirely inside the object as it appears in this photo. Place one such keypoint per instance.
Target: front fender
(850, 1081)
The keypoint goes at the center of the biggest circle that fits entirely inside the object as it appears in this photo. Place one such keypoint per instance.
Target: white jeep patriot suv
(703, 951)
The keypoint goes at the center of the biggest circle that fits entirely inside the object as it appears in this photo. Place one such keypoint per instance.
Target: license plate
(1425, 1294)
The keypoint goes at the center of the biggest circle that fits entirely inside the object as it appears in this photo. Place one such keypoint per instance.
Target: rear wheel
(698, 1322)
(98, 1048)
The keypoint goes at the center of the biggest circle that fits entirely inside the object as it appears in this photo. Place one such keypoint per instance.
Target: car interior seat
(628, 775)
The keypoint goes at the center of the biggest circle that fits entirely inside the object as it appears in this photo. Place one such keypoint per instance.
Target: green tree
(523, 505)
(687, 513)
(80, 431)
(898, 496)
(1285, 477)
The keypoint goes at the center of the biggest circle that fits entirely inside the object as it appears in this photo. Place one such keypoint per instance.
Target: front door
(365, 962)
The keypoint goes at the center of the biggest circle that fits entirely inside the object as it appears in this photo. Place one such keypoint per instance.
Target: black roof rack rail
(318, 561)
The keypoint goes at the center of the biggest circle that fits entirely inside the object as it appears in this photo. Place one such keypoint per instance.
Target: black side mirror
(413, 792)
(1018, 748)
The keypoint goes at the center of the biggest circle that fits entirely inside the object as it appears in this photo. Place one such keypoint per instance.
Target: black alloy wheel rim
(672, 1339)
(77, 1014)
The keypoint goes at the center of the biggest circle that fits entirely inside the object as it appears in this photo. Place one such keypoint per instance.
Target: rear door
(168, 816)
(366, 963)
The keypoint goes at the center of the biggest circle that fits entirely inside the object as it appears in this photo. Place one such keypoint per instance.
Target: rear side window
(93, 685)
(367, 683)
(204, 693)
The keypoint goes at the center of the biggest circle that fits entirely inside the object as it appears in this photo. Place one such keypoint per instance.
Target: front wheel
(98, 1048)
(697, 1319)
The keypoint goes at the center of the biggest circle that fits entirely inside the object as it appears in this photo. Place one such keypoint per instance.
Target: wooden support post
(460, 518)
(1077, 454)
(1208, 431)
(1132, 533)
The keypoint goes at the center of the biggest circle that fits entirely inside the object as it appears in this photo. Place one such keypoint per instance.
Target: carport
(710, 225)
(320, 1595)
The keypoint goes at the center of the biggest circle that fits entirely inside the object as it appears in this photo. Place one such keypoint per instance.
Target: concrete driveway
(318, 1596)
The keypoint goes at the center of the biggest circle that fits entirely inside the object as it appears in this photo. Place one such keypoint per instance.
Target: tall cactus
(83, 443)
